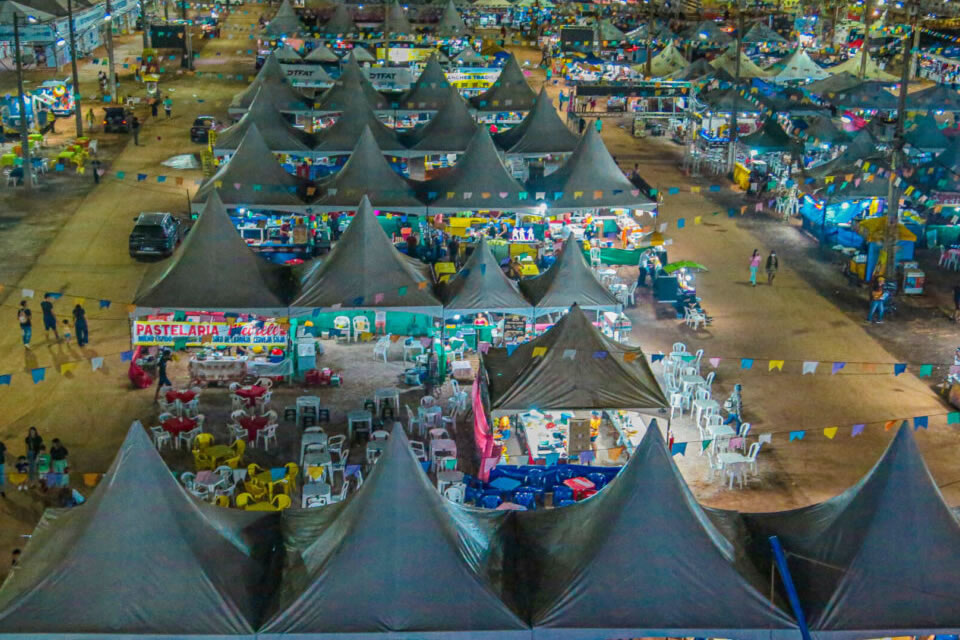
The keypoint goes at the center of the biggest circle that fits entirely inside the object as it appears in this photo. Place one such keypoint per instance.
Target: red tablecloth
(251, 393)
(580, 487)
(252, 425)
(183, 396)
(177, 425)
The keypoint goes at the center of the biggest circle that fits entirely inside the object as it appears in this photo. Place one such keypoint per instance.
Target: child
(23, 469)
(43, 467)
(66, 330)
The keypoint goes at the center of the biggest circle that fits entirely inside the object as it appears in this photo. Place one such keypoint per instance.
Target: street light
(77, 110)
(24, 132)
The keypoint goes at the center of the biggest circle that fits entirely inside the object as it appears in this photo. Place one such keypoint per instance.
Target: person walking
(24, 316)
(95, 166)
(91, 118)
(734, 407)
(876, 302)
(754, 266)
(154, 107)
(34, 445)
(135, 130)
(598, 123)
(581, 126)
(80, 325)
(49, 319)
(168, 106)
(773, 263)
(162, 379)
(58, 458)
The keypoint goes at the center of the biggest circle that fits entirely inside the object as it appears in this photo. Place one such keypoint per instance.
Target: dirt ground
(70, 237)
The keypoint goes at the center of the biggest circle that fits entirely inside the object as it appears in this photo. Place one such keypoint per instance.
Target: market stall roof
(590, 179)
(561, 369)
(939, 97)
(279, 91)
(760, 33)
(667, 63)
(569, 281)
(175, 567)
(681, 576)
(492, 4)
(395, 20)
(253, 166)
(661, 32)
(769, 138)
(724, 100)
(279, 135)
(863, 146)
(482, 286)
(430, 91)
(362, 54)
(798, 66)
(791, 101)
(820, 130)
(11, 8)
(451, 22)
(285, 22)
(873, 71)
(478, 180)
(838, 81)
(469, 57)
(728, 62)
(287, 54)
(450, 131)
(868, 95)
(352, 86)
(696, 69)
(925, 134)
(848, 187)
(340, 137)
(707, 32)
(541, 132)
(341, 22)
(510, 92)
(365, 270)
(215, 269)
(367, 173)
(397, 560)
(321, 53)
(606, 31)
(875, 229)
(839, 552)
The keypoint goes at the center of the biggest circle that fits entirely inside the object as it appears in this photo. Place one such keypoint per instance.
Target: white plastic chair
(234, 386)
(263, 401)
(427, 401)
(339, 463)
(679, 347)
(237, 414)
(188, 437)
(266, 383)
(418, 450)
(267, 434)
(237, 432)
(344, 490)
(595, 257)
(413, 422)
(160, 437)
(381, 348)
(335, 444)
(237, 403)
(361, 324)
(316, 501)
(342, 325)
(455, 386)
(439, 433)
(677, 403)
(752, 457)
(454, 493)
(379, 434)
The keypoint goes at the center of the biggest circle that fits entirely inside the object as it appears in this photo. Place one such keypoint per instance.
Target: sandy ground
(72, 238)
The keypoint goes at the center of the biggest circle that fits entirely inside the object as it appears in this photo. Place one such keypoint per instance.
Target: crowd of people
(37, 467)
(77, 329)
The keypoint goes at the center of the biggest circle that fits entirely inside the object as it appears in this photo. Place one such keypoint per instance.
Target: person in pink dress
(754, 266)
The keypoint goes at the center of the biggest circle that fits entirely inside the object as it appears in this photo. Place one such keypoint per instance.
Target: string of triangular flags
(39, 374)
(812, 367)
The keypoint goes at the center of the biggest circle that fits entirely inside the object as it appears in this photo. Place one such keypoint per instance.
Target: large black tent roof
(284, 22)
(936, 98)
(510, 92)
(482, 286)
(707, 33)
(431, 90)
(725, 100)
(641, 559)
(760, 33)
(341, 22)
(397, 561)
(567, 282)
(821, 129)
(541, 132)
(590, 178)
(889, 539)
(340, 137)
(279, 135)
(215, 269)
(451, 22)
(395, 20)
(835, 83)
(367, 173)
(868, 95)
(450, 131)
(352, 86)
(580, 369)
(364, 270)
(321, 53)
(477, 181)
(863, 146)
(696, 69)
(174, 567)
(925, 134)
(769, 138)
(277, 89)
(253, 177)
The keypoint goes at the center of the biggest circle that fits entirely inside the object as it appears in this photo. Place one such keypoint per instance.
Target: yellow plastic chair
(243, 500)
(253, 470)
(222, 501)
(281, 502)
(239, 446)
(201, 461)
(292, 472)
(280, 487)
(256, 490)
(203, 440)
(233, 463)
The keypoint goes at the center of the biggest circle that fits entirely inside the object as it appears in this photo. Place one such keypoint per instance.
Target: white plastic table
(445, 446)
(448, 478)
(735, 461)
(358, 416)
(314, 437)
(415, 348)
(315, 490)
(387, 394)
(321, 459)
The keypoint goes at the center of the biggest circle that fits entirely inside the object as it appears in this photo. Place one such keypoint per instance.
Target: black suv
(201, 129)
(116, 120)
(154, 234)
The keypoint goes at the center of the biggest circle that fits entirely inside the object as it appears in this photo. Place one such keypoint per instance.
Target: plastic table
(506, 484)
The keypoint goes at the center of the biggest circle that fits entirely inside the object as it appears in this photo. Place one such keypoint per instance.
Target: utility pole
(24, 131)
(77, 109)
(166, 11)
(732, 134)
(867, 19)
(648, 64)
(112, 80)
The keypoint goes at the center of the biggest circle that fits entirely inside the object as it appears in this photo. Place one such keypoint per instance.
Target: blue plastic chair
(490, 501)
(525, 499)
(536, 478)
(565, 503)
(472, 494)
(536, 491)
(598, 479)
(565, 473)
(562, 492)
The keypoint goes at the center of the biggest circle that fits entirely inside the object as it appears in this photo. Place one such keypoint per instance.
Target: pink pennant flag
(714, 362)
(377, 298)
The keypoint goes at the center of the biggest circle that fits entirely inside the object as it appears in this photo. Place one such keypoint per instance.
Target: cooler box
(306, 355)
(913, 281)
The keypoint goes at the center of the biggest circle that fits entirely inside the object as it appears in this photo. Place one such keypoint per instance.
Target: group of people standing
(772, 266)
(79, 326)
(48, 468)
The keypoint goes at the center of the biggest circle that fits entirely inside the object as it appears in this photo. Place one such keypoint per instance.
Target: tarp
(821, 130)
(869, 95)
(667, 63)
(279, 135)
(939, 97)
(365, 270)
(430, 91)
(395, 20)
(286, 53)
(174, 567)
(321, 53)
(696, 69)
(798, 66)
(839, 81)
(351, 87)
(397, 561)
(707, 33)
(873, 71)
(728, 62)
(450, 131)
(482, 286)
(451, 23)
(590, 178)
(253, 177)
(510, 92)
(541, 132)
(769, 138)
(568, 281)
(367, 173)
(864, 146)
(340, 137)
(477, 181)
(214, 269)
(725, 100)
(760, 33)
(469, 57)
(606, 31)
(341, 22)
(641, 559)
(362, 54)
(889, 539)
(279, 91)
(285, 22)
(925, 134)
(572, 366)
(858, 187)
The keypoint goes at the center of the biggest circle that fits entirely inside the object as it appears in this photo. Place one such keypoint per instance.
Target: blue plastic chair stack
(490, 501)
(562, 492)
(525, 499)
(598, 479)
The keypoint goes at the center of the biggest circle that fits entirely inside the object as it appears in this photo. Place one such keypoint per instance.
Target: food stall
(282, 237)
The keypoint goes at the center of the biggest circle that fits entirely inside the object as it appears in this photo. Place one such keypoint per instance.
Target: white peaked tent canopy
(873, 71)
(666, 63)
(727, 61)
(174, 567)
(798, 66)
(285, 22)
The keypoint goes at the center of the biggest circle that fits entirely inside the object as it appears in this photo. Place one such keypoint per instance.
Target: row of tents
(642, 558)
(286, 22)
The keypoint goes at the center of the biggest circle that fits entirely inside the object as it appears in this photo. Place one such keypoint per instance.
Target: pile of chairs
(202, 459)
(259, 488)
(537, 482)
(219, 493)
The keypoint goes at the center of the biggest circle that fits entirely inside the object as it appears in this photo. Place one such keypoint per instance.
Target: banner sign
(389, 78)
(306, 75)
(162, 332)
(473, 77)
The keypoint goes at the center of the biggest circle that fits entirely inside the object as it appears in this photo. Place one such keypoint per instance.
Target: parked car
(201, 128)
(154, 234)
(116, 120)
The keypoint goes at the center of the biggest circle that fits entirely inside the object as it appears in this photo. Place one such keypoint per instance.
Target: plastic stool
(290, 413)
(370, 406)
(308, 421)
(324, 416)
(386, 412)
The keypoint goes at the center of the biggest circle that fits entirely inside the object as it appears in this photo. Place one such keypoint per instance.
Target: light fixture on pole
(112, 80)
(21, 103)
(77, 110)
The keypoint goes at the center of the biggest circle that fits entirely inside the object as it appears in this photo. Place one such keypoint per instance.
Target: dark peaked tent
(936, 98)
(395, 20)
(569, 281)
(569, 375)
(835, 83)
(820, 129)
(341, 137)
(695, 70)
(364, 269)
(477, 181)
(541, 132)
(482, 286)
(431, 90)
(868, 95)
(321, 53)
(284, 22)
(423, 570)
(878, 560)
(279, 135)
(450, 131)
(641, 559)
(510, 92)
(367, 173)
(214, 269)
(760, 33)
(174, 567)
(769, 138)
(724, 100)
(341, 22)
(590, 169)
(351, 87)
(277, 90)
(252, 166)
(925, 134)
(864, 146)
(451, 22)
(470, 57)
(707, 33)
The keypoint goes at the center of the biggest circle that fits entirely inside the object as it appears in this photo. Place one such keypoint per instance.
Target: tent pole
(780, 559)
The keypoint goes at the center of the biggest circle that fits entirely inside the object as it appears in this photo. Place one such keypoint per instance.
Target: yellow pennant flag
(698, 220)
(889, 425)
(830, 432)
(79, 301)
(539, 351)
(131, 308)
(67, 367)
(694, 189)
(577, 194)
(775, 364)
